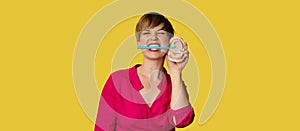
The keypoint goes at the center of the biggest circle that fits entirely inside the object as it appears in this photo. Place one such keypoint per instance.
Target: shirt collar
(134, 78)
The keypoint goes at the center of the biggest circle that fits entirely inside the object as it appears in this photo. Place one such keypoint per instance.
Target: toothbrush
(156, 47)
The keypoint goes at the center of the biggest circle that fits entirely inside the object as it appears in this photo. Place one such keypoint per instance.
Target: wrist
(176, 76)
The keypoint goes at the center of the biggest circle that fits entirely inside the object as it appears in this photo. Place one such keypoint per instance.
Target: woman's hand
(177, 67)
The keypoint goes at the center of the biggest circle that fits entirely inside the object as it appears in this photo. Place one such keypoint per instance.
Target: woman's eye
(161, 33)
(146, 33)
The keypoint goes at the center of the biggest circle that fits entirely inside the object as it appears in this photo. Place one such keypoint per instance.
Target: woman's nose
(154, 36)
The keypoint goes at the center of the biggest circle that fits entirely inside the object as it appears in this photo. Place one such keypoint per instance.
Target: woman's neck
(149, 66)
(151, 73)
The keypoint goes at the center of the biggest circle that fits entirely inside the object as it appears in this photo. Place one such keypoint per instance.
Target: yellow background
(260, 40)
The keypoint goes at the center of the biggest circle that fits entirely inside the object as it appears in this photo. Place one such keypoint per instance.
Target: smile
(156, 47)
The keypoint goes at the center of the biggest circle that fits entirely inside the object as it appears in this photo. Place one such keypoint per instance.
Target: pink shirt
(122, 107)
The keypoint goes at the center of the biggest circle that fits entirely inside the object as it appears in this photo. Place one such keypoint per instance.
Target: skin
(151, 70)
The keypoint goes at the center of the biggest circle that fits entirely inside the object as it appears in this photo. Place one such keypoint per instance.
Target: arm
(106, 117)
(180, 97)
(181, 113)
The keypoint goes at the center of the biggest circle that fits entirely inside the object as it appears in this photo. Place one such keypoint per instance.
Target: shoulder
(115, 81)
(124, 73)
(120, 73)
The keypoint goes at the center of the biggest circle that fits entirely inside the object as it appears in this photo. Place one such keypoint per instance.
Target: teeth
(154, 46)
(153, 49)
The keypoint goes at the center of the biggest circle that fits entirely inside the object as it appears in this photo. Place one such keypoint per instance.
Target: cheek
(144, 42)
(141, 41)
(165, 41)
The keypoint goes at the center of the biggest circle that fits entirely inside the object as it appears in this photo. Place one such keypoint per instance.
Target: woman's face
(154, 37)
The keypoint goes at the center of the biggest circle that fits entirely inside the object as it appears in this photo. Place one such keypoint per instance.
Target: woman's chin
(155, 57)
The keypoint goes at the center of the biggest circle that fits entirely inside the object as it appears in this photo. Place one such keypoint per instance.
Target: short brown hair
(151, 20)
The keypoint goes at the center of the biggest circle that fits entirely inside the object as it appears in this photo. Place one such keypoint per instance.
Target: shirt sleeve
(181, 117)
(106, 117)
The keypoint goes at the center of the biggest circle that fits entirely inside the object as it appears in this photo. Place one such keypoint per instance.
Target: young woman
(145, 97)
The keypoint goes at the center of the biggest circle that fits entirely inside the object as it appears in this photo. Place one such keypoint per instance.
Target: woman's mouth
(154, 48)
